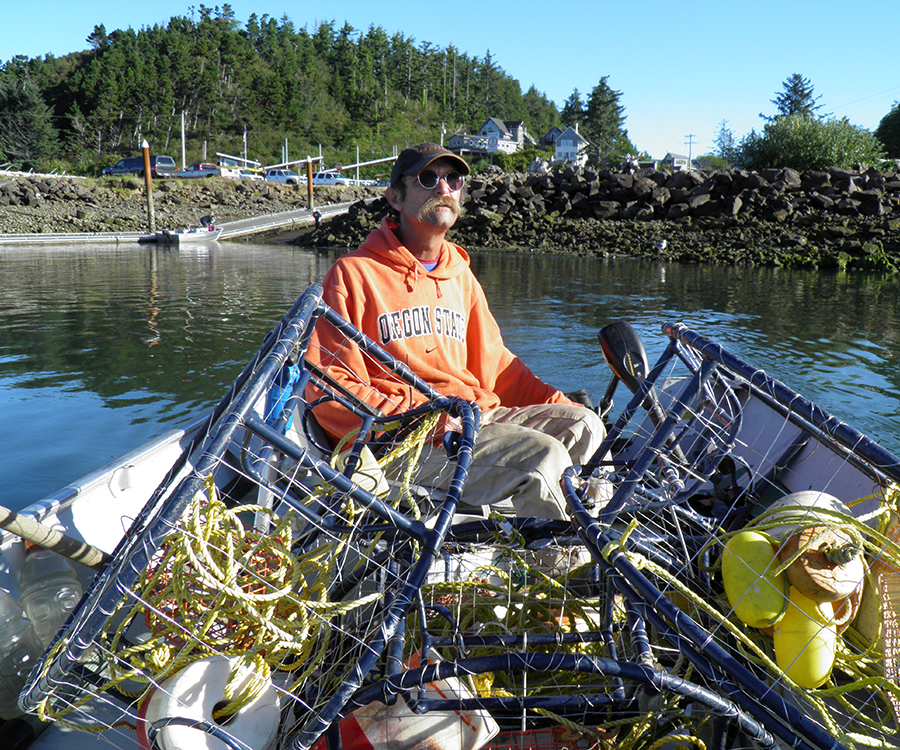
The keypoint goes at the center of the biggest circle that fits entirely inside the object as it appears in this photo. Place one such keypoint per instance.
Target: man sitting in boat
(406, 269)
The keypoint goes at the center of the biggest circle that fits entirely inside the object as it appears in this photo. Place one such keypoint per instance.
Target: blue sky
(682, 68)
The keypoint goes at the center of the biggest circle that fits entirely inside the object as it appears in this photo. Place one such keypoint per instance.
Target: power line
(866, 99)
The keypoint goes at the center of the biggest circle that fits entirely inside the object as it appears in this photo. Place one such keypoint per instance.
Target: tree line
(341, 89)
(799, 136)
(336, 87)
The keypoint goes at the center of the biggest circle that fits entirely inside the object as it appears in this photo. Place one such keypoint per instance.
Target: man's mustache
(441, 200)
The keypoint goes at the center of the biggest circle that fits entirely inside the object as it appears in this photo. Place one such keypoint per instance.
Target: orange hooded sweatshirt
(437, 322)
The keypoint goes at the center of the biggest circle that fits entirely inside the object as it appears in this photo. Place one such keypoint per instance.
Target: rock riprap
(836, 218)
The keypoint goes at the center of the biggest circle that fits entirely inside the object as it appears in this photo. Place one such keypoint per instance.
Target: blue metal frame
(235, 414)
(732, 679)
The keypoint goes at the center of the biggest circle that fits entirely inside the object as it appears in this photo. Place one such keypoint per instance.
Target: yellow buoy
(758, 596)
(805, 640)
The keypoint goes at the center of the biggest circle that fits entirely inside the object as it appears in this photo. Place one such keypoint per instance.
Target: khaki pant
(521, 453)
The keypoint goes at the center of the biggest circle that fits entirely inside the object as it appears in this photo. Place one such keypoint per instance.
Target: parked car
(285, 176)
(203, 169)
(160, 166)
(247, 174)
(330, 177)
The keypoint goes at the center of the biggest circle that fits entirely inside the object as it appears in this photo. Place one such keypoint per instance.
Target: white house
(507, 131)
(676, 161)
(495, 135)
(571, 147)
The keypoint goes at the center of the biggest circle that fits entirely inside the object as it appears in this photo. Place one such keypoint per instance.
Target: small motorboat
(729, 574)
(192, 237)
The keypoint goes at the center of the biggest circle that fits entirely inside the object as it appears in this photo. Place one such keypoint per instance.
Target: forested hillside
(340, 88)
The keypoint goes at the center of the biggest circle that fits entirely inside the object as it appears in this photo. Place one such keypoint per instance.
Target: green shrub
(519, 161)
(478, 164)
(805, 142)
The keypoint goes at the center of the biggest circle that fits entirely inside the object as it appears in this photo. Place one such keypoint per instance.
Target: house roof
(570, 132)
(498, 123)
(551, 135)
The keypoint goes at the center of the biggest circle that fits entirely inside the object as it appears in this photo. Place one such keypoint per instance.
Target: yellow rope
(411, 449)
(251, 598)
(216, 587)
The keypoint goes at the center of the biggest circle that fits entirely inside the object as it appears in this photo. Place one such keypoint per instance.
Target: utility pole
(690, 144)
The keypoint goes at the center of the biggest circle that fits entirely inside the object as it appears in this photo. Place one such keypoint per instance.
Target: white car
(330, 178)
(246, 174)
(285, 176)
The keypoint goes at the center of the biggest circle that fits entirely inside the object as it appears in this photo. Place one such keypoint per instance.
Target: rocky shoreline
(837, 219)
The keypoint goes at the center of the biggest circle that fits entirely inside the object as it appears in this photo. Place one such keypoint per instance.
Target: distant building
(548, 140)
(494, 136)
(571, 147)
(676, 162)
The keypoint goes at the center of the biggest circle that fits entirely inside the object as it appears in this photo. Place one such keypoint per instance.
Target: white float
(194, 693)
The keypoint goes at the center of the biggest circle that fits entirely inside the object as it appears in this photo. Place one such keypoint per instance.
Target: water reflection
(152, 304)
(833, 336)
(102, 348)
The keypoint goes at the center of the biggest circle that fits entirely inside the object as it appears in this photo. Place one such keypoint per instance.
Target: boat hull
(189, 238)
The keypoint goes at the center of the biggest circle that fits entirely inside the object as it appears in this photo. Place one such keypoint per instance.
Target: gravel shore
(35, 205)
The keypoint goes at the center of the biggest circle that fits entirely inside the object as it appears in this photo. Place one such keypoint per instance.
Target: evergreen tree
(97, 38)
(796, 98)
(726, 146)
(888, 131)
(604, 118)
(540, 113)
(27, 137)
(573, 110)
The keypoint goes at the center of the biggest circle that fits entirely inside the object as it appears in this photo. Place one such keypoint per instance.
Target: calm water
(102, 348)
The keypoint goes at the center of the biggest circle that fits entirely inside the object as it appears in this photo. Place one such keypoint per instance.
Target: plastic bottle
(49, 590)
(19, 652)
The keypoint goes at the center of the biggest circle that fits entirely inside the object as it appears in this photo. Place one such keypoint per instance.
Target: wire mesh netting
(753, 538)
(290, 561)
(728, 579)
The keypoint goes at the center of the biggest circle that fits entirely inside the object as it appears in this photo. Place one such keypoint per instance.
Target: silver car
(285, 176)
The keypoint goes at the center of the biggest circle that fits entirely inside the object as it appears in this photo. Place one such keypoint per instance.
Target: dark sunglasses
(429, 179)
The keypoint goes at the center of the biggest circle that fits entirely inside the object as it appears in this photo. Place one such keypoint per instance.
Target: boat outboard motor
(625, 354)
